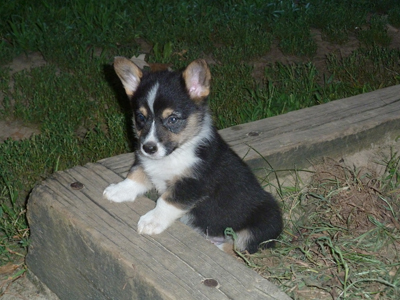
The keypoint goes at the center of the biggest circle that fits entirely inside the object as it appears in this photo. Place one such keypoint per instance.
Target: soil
(22, 288)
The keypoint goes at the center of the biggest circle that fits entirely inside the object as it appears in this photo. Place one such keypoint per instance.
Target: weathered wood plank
(340, 127)
(120, 164)
(91, 245)
(91, 233)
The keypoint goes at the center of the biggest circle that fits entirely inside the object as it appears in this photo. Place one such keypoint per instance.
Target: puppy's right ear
(197, 77)
(129, 74)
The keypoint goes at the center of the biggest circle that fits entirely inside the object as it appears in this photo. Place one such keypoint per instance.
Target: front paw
(126, 190)
(160, 218)
(152, 223)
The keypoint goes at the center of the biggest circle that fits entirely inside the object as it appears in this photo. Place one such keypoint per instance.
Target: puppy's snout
(150, 148)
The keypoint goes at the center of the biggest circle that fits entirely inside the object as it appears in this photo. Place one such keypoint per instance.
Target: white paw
(160, 218)
(152, 223)
(126, 190)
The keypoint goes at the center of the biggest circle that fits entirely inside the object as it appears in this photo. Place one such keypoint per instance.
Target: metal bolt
(210, 282)
(253, 133)
(77, 185)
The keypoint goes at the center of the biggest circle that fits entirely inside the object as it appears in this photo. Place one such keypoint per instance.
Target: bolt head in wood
(210, 282)
(253, 133)
(77, 185)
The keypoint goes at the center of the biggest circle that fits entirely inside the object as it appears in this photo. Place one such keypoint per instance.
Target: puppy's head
(169, 107)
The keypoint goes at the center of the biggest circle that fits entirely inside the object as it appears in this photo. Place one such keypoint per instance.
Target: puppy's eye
(140, 118)
(172, 120)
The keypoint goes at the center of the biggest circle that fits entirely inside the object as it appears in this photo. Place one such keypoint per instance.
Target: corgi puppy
(201, 181)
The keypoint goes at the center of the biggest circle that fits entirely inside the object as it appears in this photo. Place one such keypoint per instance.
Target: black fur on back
(225, 193)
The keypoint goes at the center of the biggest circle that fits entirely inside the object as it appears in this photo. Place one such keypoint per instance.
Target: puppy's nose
(150, 148)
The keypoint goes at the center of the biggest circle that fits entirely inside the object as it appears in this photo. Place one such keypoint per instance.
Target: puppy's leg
(135, 184)
(160, 218)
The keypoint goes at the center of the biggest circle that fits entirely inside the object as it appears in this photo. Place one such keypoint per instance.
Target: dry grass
(342, 236)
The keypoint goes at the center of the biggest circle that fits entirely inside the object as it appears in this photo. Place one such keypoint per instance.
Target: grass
(14, 234)
(341, 238)
(78, 104)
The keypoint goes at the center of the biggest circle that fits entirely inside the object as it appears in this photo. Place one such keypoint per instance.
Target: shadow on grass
(115, 83)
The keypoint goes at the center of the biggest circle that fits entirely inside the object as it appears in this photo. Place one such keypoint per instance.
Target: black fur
(230, 196)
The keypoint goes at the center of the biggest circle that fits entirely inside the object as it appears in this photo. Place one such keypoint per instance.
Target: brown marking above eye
(143, 111)
(167, 112)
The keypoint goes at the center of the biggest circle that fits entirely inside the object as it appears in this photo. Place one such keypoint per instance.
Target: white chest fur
(175, 165)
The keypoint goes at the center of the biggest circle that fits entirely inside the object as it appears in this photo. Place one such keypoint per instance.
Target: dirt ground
(23, 288)
(353, 187)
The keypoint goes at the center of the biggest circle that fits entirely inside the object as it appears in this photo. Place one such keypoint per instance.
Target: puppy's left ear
(197, 78)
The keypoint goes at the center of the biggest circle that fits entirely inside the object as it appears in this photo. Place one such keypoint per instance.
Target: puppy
(199, 178)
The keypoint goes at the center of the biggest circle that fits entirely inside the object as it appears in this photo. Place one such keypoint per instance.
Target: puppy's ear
(129, 74)
(197, 77)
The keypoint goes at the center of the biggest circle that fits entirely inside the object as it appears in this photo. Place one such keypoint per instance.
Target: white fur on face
(183, 158)
(152, 96)
(151, 137)
(126, 190)
(160, 218)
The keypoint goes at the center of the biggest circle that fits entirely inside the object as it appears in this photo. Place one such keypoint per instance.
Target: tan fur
(192, 128)
(137, 174)
(197, 75)
(167, 196)
(143, 110)
(129, 74)
(184, 174)
(167, 112)
(228, 248)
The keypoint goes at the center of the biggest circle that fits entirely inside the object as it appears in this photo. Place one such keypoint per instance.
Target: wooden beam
(337, 128)
(85, 247)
